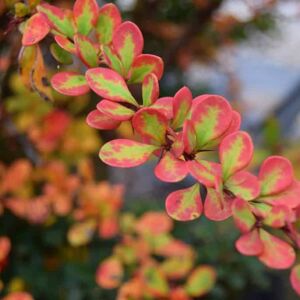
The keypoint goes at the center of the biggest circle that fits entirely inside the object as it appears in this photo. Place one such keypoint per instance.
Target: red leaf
(250, 243)
(65, 43)
(277, 254)
(295, 278)
(36, 29)
(185, 204)
(99, 120)
(115, 110)
(165, 106)
(275, 175)
(70, 83)
(170, 169)
(216, 207)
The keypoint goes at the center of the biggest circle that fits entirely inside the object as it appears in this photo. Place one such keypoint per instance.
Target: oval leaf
(36, 29)
(151, 125)
(201, 281)
(125, 153)
(70, 83)
(275, 175)
(109, 85)
(185, 204)
(115, 110)
(144, 65)
(277, 254)
(150, 89)
(61, 55)
(250, 243)
(236, 151)
(65, 43)
(295, 279)
(108, 20)
(85, 15)
(128, 42)
(189, 137)
(181, 106)
(99, 120)
(86, 50)
(211, 117)
(170, 169)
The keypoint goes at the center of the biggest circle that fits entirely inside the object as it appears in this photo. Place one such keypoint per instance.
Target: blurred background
(245, 50)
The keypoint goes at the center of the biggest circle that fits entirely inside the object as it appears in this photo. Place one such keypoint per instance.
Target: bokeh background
(245, 50)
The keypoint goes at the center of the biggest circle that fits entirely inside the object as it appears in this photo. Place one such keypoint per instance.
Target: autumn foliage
(181, 132)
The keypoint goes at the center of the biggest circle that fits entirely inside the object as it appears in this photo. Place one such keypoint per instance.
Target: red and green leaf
(204, 171)
(109, 85)
(201, 281)
(185, 204)
(151, 125)
(144, 65)
(70, 83)
(36, 28)
(86, 50)
(277, 254)
(189, 137)
(170, 169)
(108, 20)
(112, 59)
(109, 273)
(236, 151)
(244, 185)
(128, 43)
(125, 153)
(277, 216)
(61, 55)
(165, 106)
(181, 106)
(99, 120)
(115, 110)
(295, 278)
(65, 43)
(275, 175)
(217, 207)
(242, 215)
(250, 243)
(150, 89)
(85, 15)
(61, 20)
(211, 117)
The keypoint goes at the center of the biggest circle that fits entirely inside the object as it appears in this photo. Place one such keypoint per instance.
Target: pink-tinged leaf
(128, 42)
(155, 281)
(189, 137)
(18, 296)
(112, 60)
(36, 29)
(5, 247)
(185, 204)
(144, 65)
(216, 207)
(275, 175)
(151, 125)
(115, 110)
(204, 171)
(99, 120)
(109, 85)
(244, 185)
(86, 50)
(70, 83)
(250, 243)
(211, 117)
(165, 106)
(277, 216)
(109, 273)
(177, 147)
(65, 43)
(181, 106)
(260, 209)
(170, 169)
(85, 15)
(61, 20)
(150, 89)
(289, 197)
(235, 152)
(277, 254)
(201, 281)
(109, 19)
(153, 223)
(295, 278)
(242, 215)
(125, 153)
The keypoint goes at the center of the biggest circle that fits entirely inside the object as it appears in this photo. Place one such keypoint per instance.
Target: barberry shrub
(178, 130)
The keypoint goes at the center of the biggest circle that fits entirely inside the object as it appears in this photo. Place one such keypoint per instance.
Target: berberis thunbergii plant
(177, 130)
